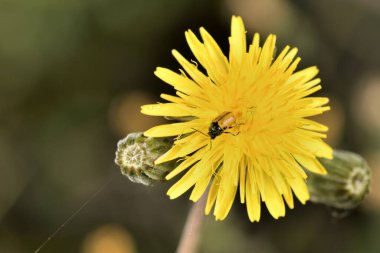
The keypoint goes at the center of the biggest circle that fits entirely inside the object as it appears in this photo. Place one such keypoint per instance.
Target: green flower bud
(346, 183)
(136, 154)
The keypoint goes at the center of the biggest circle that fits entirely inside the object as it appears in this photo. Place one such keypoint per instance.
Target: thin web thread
(75, 213)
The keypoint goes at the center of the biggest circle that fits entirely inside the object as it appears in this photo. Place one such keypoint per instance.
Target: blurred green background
(73, 75)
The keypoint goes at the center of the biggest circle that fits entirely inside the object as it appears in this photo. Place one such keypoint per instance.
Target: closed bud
(346, 183)
(136, 154)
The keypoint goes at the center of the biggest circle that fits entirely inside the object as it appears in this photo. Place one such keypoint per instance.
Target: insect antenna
(200, 132)
(204, 135)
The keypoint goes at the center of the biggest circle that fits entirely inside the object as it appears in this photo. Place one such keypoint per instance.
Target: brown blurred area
(73, 75)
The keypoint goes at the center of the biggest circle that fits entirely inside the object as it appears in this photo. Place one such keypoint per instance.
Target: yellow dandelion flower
(248, 129)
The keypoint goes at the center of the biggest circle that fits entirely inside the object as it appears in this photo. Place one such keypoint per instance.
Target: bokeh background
(73, 75)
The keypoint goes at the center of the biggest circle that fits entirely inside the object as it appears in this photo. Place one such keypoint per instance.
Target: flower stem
(191, 232)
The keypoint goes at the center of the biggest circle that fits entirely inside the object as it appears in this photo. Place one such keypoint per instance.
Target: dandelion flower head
(261, 105)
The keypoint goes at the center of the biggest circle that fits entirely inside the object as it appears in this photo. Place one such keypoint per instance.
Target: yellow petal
(179, 82)
(311, 164)
(186, 163)
(317, 101)
(288, 196)
(226, 202)
(182, 185)
(208, 55)
(252, 197)
(173, 129)
(242, 179)
(212, 195)
(226, 193)
(199, 103)
(289, 58)
(273, 199)
(295, 167)
(319, 148)
(307, 92)
(313, 126)
(276, 175)
(311, 112)
(168, 109)
(198, 49)
(304, 75)
(184, 149)
(254, 50)
(200, 187)
(231, 163)
(215, 53)
(203, 81)
(172, 99)
(278, 63)
(237, 40)
(299, 188)
(309, 85)
(267, 52)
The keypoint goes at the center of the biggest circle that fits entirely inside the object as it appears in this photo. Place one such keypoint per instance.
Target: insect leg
(232, 133)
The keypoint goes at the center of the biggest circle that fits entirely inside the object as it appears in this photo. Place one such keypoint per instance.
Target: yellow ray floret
(250, 129)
